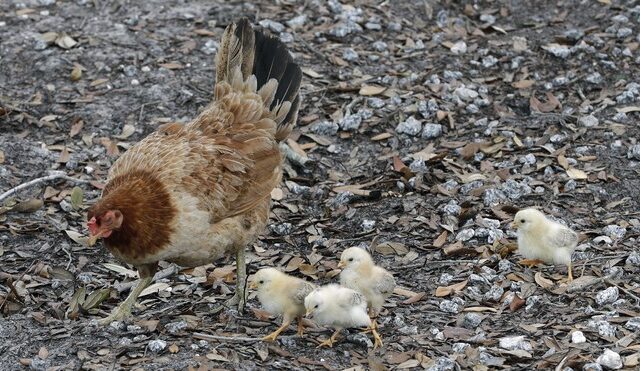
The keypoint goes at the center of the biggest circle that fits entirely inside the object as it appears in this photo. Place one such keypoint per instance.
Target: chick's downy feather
(339, 307)
(280, 293)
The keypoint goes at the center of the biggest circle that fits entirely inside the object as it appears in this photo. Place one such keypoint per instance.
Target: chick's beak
(342, 264)
(514, 225)
(253, 285)
(309, 312)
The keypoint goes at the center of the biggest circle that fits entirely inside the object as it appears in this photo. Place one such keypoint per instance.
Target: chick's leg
(239, 298)
(570, 272)
(300, 326)
(377, 340)
(124, 309)
(286, 321)
(329, 342)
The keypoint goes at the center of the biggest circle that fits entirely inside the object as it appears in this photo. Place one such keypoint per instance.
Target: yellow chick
(543, 240)
(339, 307)
(281, 294)
(360, 273)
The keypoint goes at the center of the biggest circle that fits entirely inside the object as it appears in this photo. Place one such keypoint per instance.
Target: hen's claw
(123, 311)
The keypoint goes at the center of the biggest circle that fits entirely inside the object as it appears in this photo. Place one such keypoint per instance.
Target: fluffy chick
(541, 239)
(281, 294)
(339, 307)
(360, 273)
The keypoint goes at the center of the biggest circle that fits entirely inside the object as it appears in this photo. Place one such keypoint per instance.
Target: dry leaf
(171, 66)
(545, 283)
(523, 84)
(65, 42)
(76, 73)
(576, 173)
(76, 128)
(127, 131)
(448, 290)
(369, 90)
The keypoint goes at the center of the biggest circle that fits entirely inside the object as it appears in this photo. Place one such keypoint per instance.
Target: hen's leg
(239, 297)
(123, 311)
(286, 321)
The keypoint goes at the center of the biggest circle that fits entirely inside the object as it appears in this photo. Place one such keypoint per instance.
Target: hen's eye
(522, 220)
(350, 259)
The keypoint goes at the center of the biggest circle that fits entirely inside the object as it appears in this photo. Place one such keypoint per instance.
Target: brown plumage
(194, 193)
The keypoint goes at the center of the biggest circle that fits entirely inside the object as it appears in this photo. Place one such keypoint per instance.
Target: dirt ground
(426, 123)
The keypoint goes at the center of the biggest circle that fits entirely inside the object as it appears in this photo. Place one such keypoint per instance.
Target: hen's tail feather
(277, 77)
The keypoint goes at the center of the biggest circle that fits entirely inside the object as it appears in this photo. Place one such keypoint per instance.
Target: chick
(361, 274)
(281, 294)
(543, 240)
(339, 307)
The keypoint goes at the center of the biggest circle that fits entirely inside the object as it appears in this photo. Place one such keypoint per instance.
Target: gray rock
(603, 327)
(380, 45)
(459, 47)
(157, 346)
(297, 21)
(325, 128)
(614, 231)
(465, 235)
(588, 121)
(465, 94)
(633, 324)
(282, 229)
(493, 196)
(410, 127)
(489, 61)
(351, 122)
(592, 367)
(529, 159)
(623, 32)
(274, 26)
(594, 78)
(532, 303)
(634, 152)
(452, 306)
(515, 343)
(472, 320)
(176, 327)
(431, 131)
(358, 338)
(443, 364)
(610, 359)
(349, 54)
(633, 259)
(559, 51)
(210, 47)
(607, 296)
(577, 337)
(494, 293)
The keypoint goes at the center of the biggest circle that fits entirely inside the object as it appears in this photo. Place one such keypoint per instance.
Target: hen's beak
(95, 237)
(341, 264)
(253, 285)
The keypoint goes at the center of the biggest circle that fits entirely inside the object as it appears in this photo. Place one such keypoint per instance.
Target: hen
(195, 193)
(543, 240)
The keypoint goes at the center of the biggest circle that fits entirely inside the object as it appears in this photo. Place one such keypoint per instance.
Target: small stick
(201, 336)
(55, 175)
(293, 156)
(126, 286)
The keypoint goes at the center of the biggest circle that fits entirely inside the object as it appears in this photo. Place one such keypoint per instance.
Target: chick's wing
(304, 288)
(563, 237)
(386, 284)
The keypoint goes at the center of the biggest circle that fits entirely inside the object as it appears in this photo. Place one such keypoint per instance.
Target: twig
(11, 286)
(126, 286)
(201, 336)
(53, 176)
(293, 156)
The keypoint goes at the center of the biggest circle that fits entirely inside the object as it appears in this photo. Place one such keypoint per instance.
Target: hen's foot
(119, 314)
(123, 311)
(530, 262)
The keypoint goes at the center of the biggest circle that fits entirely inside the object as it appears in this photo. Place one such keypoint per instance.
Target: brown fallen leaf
(415, 298)
(369, 90)
(451, 289)
(516, 303)
(543, 282)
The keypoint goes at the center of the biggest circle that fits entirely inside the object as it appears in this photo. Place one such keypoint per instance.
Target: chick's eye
(522, 220)
(316, 306)
(350, 259)
(261, 282)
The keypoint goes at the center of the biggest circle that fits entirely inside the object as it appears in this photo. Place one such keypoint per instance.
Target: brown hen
(195, 193)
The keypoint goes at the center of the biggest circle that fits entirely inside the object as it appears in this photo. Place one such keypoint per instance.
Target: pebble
(623, 32)
(492, 196)
(410, 127)
(610, 359)
(577, 337)
(633, 324)
(607, 296)
(603, 327)
(515, 343)
(465, 235)
(325, 128)
(272, 25)
(459, 47)
(452, 208)
(350, 122)
(559, 51)
(175, 327)
(588, 121)
(614, 231)
(349, 54)
(282, 229)
(443, 364)
(465, 94)
(297, 21)
(145, 69)
(633, 259)
(592, 367)
(380, 46)
(531, 303)
(489, 61)
(529, 159)
(472, 320)
(431, 131)
(634, 152)
(452, 306)
(459, 347)
(157, 346)
(494, 293)
(445, 279)
(594, 78)
(359, 338)
(368, 225)
(210, 47)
